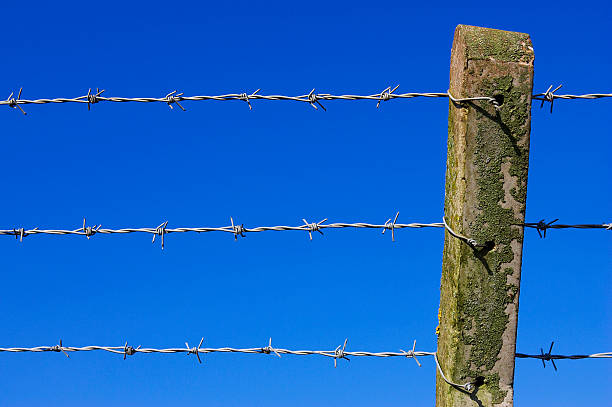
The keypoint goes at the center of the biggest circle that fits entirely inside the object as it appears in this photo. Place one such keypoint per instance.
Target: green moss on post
(486, 189)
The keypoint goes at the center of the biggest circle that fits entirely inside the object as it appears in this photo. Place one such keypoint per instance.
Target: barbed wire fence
(173, 99)
(314, 99)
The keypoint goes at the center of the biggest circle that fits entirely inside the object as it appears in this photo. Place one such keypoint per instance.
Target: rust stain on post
(486, 189)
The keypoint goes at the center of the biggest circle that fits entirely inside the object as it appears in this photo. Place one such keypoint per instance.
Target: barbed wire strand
(239, 230)
(313, 99)
(339, 352)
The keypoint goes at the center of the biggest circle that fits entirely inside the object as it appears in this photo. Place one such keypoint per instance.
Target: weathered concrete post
(486, 188)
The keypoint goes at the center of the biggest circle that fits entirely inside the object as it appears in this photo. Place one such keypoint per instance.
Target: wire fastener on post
(470, 242)
(469, 387)
(459, 101)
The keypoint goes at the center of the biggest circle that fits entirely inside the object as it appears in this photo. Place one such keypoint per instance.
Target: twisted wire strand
(603, 355)
(538, 225)
(233, 229)
(339, 353)
(278, 351)
(239, 230)
(311, 98)
(542, 96)
(121, 350)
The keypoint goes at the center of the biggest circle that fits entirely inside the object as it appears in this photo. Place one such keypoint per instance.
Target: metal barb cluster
(312, 98)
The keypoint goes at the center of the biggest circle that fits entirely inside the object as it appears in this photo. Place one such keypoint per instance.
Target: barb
(246, 97)
(268, 349)
(541, 226)
(386, 95)
(58, 348)
(237, 230)
(311, 98)
(412, 353)
(339, 353)
(174, 97)
(159, 231)
(195, 350)
(89, 231)
(549, 357)
(314, 227)
(391, 226)
(129, 350)
(93, 97)
(549, 96)
(14, 103)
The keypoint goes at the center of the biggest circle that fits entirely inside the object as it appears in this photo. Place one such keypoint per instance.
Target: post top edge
(490, 43)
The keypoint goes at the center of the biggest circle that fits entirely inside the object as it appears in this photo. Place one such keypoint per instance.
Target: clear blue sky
(138, 165)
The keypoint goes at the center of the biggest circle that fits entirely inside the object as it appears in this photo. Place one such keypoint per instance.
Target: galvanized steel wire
(339, 352)
(312, 98)
(239, 230)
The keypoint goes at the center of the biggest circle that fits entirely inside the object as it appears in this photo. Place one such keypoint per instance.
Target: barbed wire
(541, 226)
(312, 98)
(549, 357)
(239, 230)
(338, 353)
